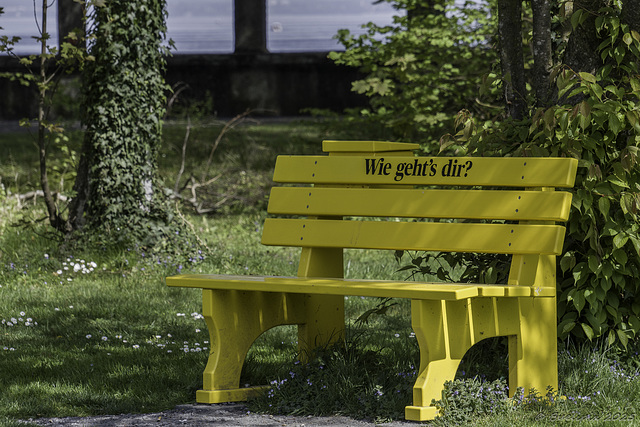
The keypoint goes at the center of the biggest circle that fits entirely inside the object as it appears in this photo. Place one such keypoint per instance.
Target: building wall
(269, 84)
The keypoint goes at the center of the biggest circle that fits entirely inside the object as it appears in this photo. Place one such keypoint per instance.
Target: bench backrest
(463, 204)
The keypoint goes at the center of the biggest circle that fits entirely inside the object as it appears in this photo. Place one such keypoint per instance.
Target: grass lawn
(85, 331)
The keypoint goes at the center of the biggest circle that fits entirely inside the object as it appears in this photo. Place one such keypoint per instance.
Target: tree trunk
(631, 14)
(76, 219)
(511, 60)
(582, 48)
(541, 47)
(52, 209)
(70, 19)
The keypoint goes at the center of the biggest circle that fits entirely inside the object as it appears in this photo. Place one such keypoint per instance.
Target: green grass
(85, 331)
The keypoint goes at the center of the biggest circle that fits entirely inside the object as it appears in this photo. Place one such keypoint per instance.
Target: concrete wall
(250, 78)
(280, 84)
(270, 84)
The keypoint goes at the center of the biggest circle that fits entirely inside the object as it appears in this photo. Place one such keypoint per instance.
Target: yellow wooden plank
(491, 290)
(427, 236)
(324, 286)
(474, 204)
(338, 286)
(330, 146)
(360, 170)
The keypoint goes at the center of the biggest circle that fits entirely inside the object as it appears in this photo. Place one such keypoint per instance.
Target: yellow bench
(360, 180)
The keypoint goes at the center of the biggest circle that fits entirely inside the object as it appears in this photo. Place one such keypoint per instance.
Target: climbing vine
(124, 98)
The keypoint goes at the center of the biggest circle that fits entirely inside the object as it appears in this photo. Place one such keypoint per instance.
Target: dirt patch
(227, 414)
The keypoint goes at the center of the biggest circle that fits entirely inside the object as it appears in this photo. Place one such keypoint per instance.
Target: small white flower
(59, 272)
(22, 313)
(46, 256)
(88, 336)
(136, 346)
(104, 338)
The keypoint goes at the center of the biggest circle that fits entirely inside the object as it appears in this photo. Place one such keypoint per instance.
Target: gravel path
(227, 414)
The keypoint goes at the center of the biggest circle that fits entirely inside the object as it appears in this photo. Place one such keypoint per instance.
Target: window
(19, 20)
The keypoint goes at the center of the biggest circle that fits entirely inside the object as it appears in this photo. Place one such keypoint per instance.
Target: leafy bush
(423, 68)
(464, 400)
(345, 379)
(598, 122)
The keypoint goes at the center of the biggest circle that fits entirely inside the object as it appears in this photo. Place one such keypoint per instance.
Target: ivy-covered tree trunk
(117, 187)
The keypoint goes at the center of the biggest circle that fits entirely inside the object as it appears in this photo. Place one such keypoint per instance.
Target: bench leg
(235, 319)
(440, 354)
(533, 352)
(445, 331)
(323, 324)
(324, 314)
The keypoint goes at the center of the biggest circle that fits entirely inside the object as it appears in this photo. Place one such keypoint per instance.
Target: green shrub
(597, 122)
(423, 68)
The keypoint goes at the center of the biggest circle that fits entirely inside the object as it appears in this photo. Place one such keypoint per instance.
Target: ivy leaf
(619, 240)
(627, 38)
(588, 77)
(603, 206)
(360, 86)
(622, 336)
(614, 123)
(621, 256)
(587, 331)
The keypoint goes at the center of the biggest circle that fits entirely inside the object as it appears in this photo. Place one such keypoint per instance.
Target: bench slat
(476, 171)
(426, 236)
(367, 288)
(473, 204)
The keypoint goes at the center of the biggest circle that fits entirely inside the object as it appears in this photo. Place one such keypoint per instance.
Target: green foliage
(124, 106)
(423, 68)
(597, 121)
(345, 379)
(456, 267)
(464, 400)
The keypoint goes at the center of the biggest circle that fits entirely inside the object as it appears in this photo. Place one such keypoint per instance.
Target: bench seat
(352, 287)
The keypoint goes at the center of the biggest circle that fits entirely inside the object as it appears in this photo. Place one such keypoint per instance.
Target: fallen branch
(39, 193)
